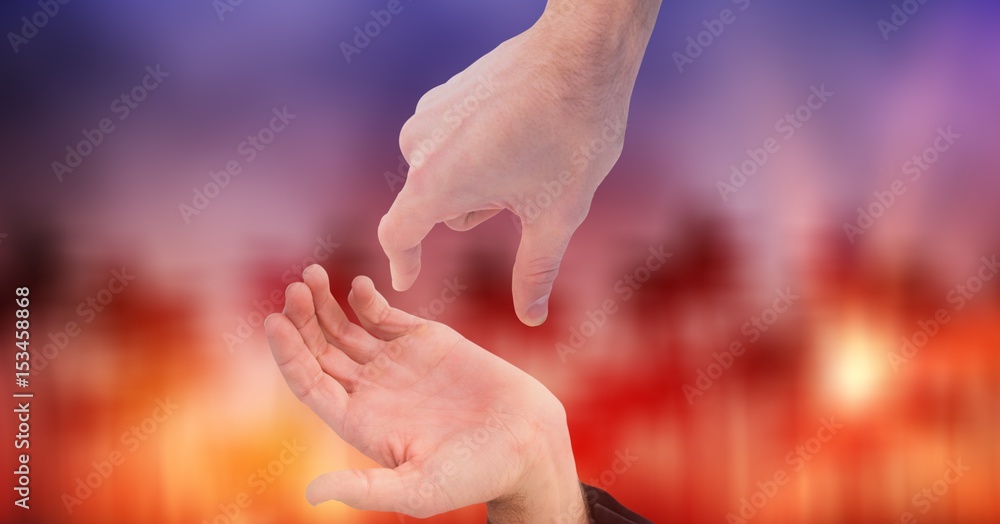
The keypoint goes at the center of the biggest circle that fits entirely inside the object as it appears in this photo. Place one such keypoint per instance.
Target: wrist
(617, 16)
(596, 46)
(549, 490)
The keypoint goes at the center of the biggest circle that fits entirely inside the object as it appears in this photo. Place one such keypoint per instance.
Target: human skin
(533, 127)
(450, 423)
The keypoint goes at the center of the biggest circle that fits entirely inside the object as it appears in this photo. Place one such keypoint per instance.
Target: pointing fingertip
(402, 283)
(537, 312)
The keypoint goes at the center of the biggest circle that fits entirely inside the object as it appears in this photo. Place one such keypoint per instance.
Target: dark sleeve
(604, 509)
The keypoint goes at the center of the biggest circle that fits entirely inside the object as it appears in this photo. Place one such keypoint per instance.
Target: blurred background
(830, 321)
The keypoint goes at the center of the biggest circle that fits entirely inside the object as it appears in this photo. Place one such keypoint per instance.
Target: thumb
(400, 233)
(379, 489)
(543, 244)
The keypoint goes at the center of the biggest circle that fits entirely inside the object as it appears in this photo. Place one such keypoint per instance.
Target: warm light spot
(855, 367)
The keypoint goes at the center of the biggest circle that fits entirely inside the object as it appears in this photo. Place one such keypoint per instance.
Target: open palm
(451, 424)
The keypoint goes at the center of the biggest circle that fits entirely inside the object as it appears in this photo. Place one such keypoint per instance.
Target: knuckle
(428, 97)
(303, 390)
(381, 311)
(410, 135)
(386, 232)
(424, 100)
(361, 479)
(406, 138)
(389, 233)
(540, 271)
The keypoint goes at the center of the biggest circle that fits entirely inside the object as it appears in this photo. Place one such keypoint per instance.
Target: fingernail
(538, 311)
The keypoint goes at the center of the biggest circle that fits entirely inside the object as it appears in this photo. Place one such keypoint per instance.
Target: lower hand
(450, 423)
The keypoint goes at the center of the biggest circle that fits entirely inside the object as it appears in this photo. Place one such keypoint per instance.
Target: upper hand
(533, 127)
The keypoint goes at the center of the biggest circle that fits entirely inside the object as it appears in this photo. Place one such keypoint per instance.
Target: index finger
(400, 232)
